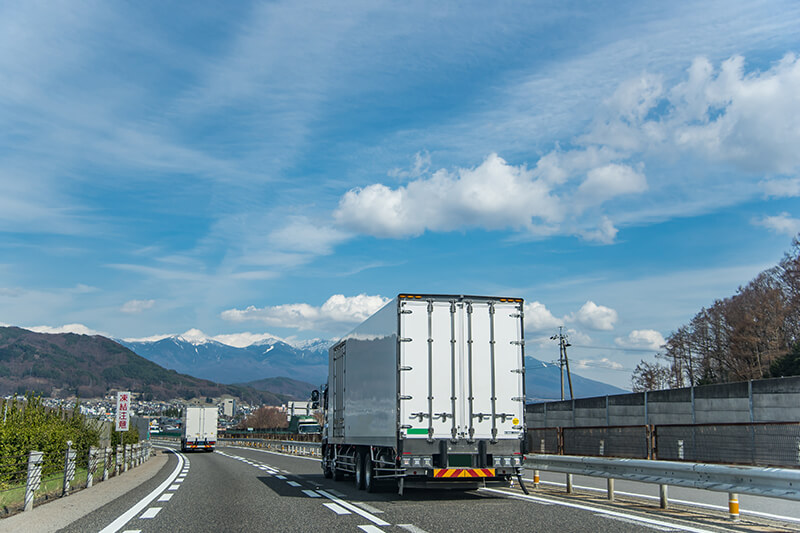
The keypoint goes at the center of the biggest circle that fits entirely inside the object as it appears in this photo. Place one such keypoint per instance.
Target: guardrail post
(118, 458)
(610, 487)
(106, 456)
(569, 484)
(69, 468)
(34, 478)
(91, 466)
(663, 495)
(535, 479)
(733, 505)
(126, 458)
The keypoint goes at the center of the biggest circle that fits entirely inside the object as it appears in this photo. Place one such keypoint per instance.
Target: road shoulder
(59, 513)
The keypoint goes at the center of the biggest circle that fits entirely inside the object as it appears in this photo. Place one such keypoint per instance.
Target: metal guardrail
(772, 482)
(755, 444)
(312, 449)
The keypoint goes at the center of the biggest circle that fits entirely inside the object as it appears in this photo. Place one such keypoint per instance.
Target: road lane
(243, 489)
(444, 510)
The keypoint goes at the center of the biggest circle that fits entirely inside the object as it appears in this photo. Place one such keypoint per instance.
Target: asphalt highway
(239, 489)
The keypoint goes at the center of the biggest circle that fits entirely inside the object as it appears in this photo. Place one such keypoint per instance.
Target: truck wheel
(369, 475)
(327, 472)
(360, 470)
(338, 475)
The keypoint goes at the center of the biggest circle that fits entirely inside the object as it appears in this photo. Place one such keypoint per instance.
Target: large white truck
(199, 428)
(428, 392)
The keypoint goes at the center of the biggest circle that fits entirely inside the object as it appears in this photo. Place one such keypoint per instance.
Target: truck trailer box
(199, 428)
(429, 388)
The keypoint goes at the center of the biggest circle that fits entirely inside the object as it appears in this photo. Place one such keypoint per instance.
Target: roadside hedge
(26, 425)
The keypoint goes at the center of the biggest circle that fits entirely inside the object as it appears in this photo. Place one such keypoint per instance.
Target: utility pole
(563, 360)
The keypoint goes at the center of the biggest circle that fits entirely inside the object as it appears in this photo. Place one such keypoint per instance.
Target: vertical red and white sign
(123, 408)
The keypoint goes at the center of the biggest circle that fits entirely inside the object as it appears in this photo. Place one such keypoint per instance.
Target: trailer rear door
(461, 365)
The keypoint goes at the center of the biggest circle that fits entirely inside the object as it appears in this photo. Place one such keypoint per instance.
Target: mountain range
(66, 364)
(307, 361)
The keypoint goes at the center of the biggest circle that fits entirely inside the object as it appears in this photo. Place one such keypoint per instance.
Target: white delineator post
(34, 478)
(69, 468)
(91, 466)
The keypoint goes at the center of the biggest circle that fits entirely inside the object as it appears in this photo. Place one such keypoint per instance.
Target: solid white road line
(597, 510)
(126, 517)
(681, 502)
(338, 509)
(367, 507)
(347, 505)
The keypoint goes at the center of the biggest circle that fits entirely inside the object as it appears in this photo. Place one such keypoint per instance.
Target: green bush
(28, 425)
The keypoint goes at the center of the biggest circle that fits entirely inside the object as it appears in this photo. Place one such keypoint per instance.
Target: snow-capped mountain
(206, 357)
(256, 357)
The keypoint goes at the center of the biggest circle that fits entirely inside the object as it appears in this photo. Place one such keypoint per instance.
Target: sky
(286, 168)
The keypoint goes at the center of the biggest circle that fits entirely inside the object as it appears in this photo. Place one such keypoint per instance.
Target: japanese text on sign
(123, 408)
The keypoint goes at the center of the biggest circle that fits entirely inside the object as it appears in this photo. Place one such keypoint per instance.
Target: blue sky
(284, 168)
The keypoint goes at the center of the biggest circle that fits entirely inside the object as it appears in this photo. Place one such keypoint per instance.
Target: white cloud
(604, 362)
(494, 195)
(80, 329)
(605, 232)
(539, 318)
(649, 339)
(782, 224)
(151, 338)
(747, 119)
(244, 339)
(302, 235)
(781, 187)
(593, 316)
(137, 306)
(606, 182)
(338, 310)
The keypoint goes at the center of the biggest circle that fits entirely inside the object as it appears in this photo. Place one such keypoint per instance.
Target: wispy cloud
(338, 310)
(783, 224)
(137, 306)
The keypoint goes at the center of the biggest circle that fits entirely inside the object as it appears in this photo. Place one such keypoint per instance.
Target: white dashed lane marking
(173, 487)
(151, 512)
(338, 509)
(370, 529)
(165, 497)
(311, 493)
(293, 483)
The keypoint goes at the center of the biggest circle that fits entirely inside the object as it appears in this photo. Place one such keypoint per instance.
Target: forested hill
(90, 366)
(753, 334)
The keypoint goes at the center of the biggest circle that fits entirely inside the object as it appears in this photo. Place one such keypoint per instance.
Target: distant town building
(228, 407)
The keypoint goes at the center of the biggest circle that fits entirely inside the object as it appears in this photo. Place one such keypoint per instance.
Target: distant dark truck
(428, 392)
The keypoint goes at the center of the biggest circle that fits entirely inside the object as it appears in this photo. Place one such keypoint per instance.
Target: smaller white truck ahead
(199, 428)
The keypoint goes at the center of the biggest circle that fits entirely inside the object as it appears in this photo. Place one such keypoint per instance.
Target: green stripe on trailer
(417, 431)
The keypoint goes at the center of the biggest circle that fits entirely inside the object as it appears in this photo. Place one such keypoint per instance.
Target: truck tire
(327, 472)
(369, 475)
(359, 470)
(338, 475)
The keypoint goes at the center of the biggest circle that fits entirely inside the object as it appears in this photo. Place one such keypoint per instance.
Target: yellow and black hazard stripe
(463, 472)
